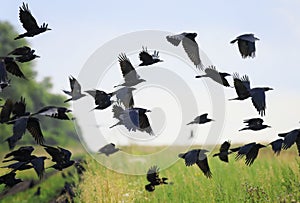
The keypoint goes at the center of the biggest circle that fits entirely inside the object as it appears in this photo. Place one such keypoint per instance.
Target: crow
(54, 112)
(255, 124)
(246, 45)
(108, 149)
(290, 138)
(9, 179)
(153, 178)
(124, 96)
(201, 119)
(60, 156)
(224, 151)
(29, 23)
(250, 150)
(4, 81)
(102, 99)
(219, 77)
(75, 92)
(148, 59)
(22, 154)
(276, 146)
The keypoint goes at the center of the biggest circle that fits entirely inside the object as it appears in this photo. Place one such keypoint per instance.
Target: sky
(79, 29)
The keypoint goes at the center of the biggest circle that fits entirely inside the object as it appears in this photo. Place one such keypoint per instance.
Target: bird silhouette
(190, 46)
(22, 154)
(219, 77)
(9, 179)
(201, 119)
(249, 150)
(224, 151)
(12, 67)
(102, 99)
(197, 156)
(108, 149)
(75, 92)
(60, 156)
(23, 54)
(129, 73)
(242, 86)
(124, 96)
(54, 112)
(290, 138)
(148, 59)
(4, 81)
(246, 44)
(133, 119)
(254, 124)
(153, 178)
(6, 111)
(29, 23)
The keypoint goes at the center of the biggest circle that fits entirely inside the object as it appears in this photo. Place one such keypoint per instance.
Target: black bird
(22, 154)
(246, 45)
(4, 81)
(6, 111)
(242, 86)
(37, 192)
(29, 23)
(153, 178)
(148, 59)
(108, 149)
(219, 77)
(38, 165)
(124, 96)
(224, 151)
(23, 54)
(276, 146)
(290, 138)
(9, 179)
(75, 92)
(61, 156)
(250, 150)
(54, 112)
(201, 119)
(197, 156)
(243, 90)
(102, 99)
(190, 46)
(129, 73)
(254, 124)
(133, 119)
(13, 68)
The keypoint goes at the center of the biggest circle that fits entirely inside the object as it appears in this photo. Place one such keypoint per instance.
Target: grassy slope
(270, 179)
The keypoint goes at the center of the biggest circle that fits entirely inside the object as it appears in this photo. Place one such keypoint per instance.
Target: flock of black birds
(124, 109)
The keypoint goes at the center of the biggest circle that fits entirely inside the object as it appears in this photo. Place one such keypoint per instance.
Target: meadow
(269, 179)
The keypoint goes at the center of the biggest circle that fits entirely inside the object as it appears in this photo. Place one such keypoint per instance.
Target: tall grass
(269, 179)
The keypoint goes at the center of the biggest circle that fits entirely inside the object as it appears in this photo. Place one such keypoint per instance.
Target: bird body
(224, 151)
(246, 44)
(108, 149)
(254, 124)
(218, 77)
(54, 112)
(290, 138)
(250, 151)
(153, 178)
(201, 119)
(75, 92)
(148, 59)
(102, 99)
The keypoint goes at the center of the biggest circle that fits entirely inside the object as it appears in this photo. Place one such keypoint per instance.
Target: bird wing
(203, 116)
(13, 68)
(175, 39)
(127, 69)
(6, 111)
(54, 153)
(38, 165)
(124, 95)
(203, 165)
(33, 126)
(251, 155)
(247, 37)
(225, 146)
(27, 20)
(254, 121)
(101, 97)
(290, 138)
(298, 144)
(145, 56)
(66, 154)
(191, 157)
(20, 51)
(259, 100)
(19, 107)
(191, 48)
(242, 151)
(276, 146)
(117, 111)
(153, 174)
(145, 124)
(241, 85)
(76, 87)
(3, 72)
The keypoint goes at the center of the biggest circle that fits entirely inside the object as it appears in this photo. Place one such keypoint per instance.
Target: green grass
(269, 179)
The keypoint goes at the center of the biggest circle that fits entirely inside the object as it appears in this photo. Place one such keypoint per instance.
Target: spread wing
(191, 48)
(26, 18)
(145, 56)
(127, 69)
(259, 100)
(175, 39)
(33, 126)
(144, 124)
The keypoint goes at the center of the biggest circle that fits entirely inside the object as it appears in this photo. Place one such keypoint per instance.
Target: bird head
(260, 145)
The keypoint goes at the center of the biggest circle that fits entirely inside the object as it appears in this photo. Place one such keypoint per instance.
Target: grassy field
(269, 179)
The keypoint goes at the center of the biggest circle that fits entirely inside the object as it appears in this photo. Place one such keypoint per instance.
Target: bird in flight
(197, 156)
(4, 81)
(129, 73)
(277, 146)
(201, 119)
(290, 138)
(153, 178)
(254, 124)
(23, 54)
(246, 44)
(190, 46)
(148, 59)
(102, 99)
(75, 92)
(219, 77)
(108, 149)
(249, 150)
(224, 151)
(29, 23)
(124, 96)
(54, 112)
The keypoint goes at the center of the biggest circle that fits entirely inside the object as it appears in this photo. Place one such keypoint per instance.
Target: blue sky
(80, 28)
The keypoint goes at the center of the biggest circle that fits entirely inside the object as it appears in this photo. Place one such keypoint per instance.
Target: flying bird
(276, 146)
(290, 138)
(250, 151)
(254, 124)
(102, 99)
(246, 45)
(29, 23)
(4, 81)
(219, 77)
(23, 54)
(6, 111)
(61, 156)
(9, 179)
(129, 73)
(197, 156)
(13, 68)
(201, 119)
(224, 151)
(148, 59)
(153, 178)
(54, 112)
(133, 119)
(243, 90)
(22, 154)
(108, 149)
(190, 46)
(75, 92)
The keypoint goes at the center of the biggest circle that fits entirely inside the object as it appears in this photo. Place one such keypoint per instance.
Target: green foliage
(37, 95)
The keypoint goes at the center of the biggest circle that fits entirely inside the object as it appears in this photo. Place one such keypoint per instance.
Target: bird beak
(148, 111)
(37, 56)
(161, 60)
(49, 29)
